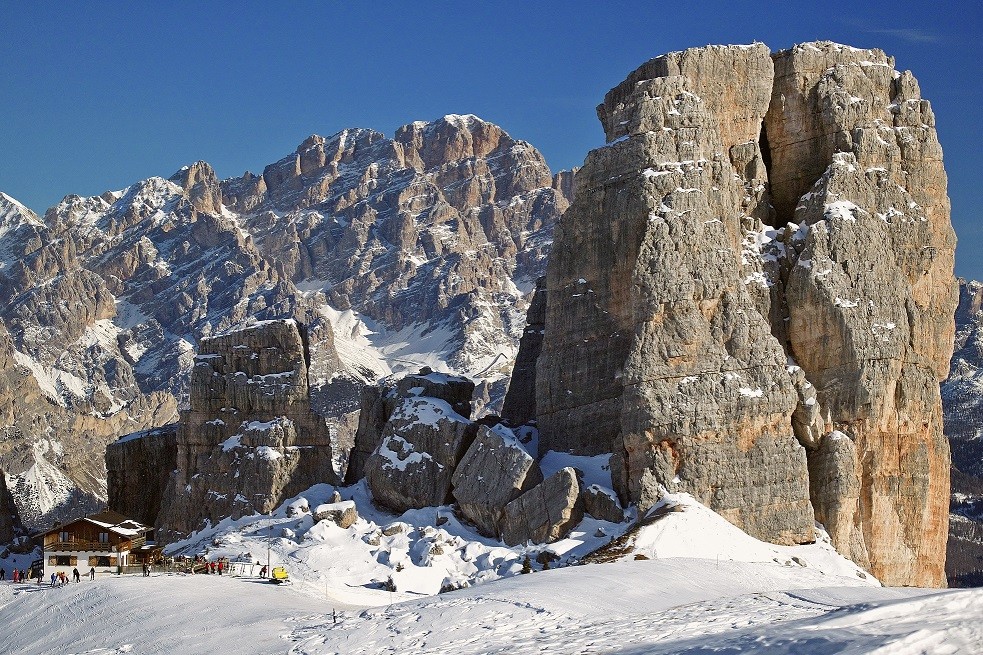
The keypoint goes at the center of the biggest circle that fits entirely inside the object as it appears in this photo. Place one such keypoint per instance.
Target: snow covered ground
(688, 582)
(658, 606)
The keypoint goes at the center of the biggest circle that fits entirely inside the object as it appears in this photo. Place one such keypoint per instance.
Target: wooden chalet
(106, 541)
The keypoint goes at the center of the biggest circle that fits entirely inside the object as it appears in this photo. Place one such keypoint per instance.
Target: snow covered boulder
(421, 445)
(379, 403)
(494, 471)
(545, 513)
(343, 513)
(602, 504)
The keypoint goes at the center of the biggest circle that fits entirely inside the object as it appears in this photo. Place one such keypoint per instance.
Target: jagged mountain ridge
(391, 253)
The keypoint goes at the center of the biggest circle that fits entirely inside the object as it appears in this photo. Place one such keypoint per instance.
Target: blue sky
(95, 96)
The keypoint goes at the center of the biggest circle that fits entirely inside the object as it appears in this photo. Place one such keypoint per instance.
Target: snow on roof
(111, 521)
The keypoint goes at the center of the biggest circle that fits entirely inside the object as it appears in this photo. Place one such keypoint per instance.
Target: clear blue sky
(95, 96)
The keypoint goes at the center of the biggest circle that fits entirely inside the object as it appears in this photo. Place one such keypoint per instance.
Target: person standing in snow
(75, 574)
(54, 576)
(92, 573)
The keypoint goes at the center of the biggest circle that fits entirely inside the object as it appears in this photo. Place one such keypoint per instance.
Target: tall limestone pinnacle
(751, 298)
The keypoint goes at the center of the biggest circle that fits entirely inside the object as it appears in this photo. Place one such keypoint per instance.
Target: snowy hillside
(732, 594)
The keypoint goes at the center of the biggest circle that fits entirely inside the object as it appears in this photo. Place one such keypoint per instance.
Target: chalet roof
(111, 522)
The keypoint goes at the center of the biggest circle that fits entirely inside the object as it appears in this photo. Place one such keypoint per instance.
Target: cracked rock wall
(751, 299)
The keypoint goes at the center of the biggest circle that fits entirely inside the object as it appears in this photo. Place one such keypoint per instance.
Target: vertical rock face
(962, 403)
(249, 439)
(138, 468)
(10, 524)
(871, 297)
(520, 401)
(655, 348)
(707, 341)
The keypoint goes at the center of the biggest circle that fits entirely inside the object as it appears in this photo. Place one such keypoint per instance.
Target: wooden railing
(94, 546)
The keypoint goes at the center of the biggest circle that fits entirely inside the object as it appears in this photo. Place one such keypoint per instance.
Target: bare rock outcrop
(250, 438)
(138, 469)
(494, 471)
(422, 441)
(871, 329)
(750, 299)
(520, 401)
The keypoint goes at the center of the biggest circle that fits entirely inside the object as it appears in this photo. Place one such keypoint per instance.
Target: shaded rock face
(519, 406)
(138, 468)
(759, 259)
(250, 438)
(10, 524)
(602, 504)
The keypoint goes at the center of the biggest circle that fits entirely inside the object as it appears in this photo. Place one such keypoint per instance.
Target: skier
(92, 573)
(75, 574)
(54, 576)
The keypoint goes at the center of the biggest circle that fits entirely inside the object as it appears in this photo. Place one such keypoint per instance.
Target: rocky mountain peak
(201, 186)
(715, 317)
(389, 265)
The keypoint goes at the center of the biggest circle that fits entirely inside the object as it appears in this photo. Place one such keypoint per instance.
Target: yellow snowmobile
(279, 575)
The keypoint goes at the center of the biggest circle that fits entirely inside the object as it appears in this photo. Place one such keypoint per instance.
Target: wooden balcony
(79, 545)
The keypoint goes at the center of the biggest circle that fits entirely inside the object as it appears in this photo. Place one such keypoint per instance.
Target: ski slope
(657, 606)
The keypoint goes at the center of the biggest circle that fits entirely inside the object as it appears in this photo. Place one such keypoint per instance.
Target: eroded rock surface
(494, 471)
(546, 512)
(757, 267)
(250, 438)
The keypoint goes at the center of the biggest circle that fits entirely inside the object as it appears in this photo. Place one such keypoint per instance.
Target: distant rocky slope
(962, 400)
(391, 252)
(751, 299)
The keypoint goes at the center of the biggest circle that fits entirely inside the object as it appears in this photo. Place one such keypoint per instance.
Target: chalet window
(64, 536)
(52, 560)
(99, 561)
(64, 560)
(104, 537)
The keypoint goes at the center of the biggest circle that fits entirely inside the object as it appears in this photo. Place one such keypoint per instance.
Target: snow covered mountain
(392, 252)
(962, 396)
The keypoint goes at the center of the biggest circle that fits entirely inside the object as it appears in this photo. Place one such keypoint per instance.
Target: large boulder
(545, 513)
(421, 445)
(602, 504)
(494, 471)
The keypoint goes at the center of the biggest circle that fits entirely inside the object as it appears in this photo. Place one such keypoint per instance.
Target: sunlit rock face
(751, 297)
